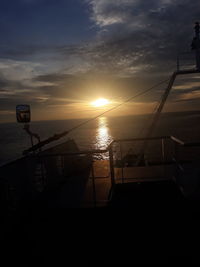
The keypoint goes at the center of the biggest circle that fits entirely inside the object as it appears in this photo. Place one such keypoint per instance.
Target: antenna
(196, 45)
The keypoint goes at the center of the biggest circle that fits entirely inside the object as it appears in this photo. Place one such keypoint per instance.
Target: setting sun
(100, 102)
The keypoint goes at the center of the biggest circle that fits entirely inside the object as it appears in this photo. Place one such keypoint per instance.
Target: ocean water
(98, 133)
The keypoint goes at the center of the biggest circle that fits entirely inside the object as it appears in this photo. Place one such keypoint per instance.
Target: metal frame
(177, 143)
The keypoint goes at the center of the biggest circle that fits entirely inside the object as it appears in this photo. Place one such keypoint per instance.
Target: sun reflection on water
(103, 136)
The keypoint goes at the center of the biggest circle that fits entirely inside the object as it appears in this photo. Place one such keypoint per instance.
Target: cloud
(18, 69)
(186, 89)
(106, 13)
(133, 36)
(136, 45)
(190, 96)
(144, 33)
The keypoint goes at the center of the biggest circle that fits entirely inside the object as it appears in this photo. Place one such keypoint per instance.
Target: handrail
(142, 139)
(189, 144)
(180, 167)
(176, 140)
(109, 149)
(192, 144)
(88, 152)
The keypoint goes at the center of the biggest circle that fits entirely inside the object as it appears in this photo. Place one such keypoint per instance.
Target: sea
(99, 133)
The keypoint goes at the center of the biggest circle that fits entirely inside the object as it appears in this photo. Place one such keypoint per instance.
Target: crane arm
(160, 108)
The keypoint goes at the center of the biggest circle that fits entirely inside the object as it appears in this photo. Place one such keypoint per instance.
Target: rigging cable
(148, 119)
(117, 106)
(58, 136)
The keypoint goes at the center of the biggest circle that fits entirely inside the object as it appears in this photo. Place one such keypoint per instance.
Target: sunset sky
(61, 55)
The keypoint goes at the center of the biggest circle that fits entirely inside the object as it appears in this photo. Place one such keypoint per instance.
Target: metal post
(93, 186)
(198, 59)
(156, 116)
(163, 155)
(112, 171)
(197, 44)
(121, 154)
(176, 154)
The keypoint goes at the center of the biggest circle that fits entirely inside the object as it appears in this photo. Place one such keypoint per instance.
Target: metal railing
(31, 176)
(156, 153)
(57, 169)
(187, 163)
(86, 167)
(161, 151)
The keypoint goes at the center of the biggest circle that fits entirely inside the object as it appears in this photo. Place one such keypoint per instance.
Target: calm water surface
(96, 134)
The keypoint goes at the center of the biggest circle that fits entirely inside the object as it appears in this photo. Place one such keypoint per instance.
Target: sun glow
(100, 102)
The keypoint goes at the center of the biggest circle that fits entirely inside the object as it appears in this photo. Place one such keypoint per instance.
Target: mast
(195, 46)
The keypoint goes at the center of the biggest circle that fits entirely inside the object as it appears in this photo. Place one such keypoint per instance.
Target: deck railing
(55, 169)
(83, 166)
(166, 151)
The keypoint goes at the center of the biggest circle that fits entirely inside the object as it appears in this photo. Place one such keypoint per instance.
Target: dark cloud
(7, 85)
(144, 33)
(19, 52)
(133, 36)
(3, 83)
(55, 77)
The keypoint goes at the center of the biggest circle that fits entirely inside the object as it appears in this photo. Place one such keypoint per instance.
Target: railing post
(112, 171)
(121, 155)
(176, 154)
(94, 186)
(176, 157)
(163, 156)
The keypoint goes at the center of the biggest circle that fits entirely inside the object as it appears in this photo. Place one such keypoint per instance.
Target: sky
(60, 55)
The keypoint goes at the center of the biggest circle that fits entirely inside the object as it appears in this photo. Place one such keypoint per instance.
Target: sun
(100, 102)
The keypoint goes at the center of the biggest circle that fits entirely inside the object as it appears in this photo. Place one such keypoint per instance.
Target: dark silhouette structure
(196, 44)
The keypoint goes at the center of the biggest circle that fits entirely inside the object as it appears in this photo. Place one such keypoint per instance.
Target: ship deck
(83, 179)
(131, 228)
(130, 175)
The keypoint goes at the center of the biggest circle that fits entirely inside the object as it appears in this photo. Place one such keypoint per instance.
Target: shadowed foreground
(144, 225)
